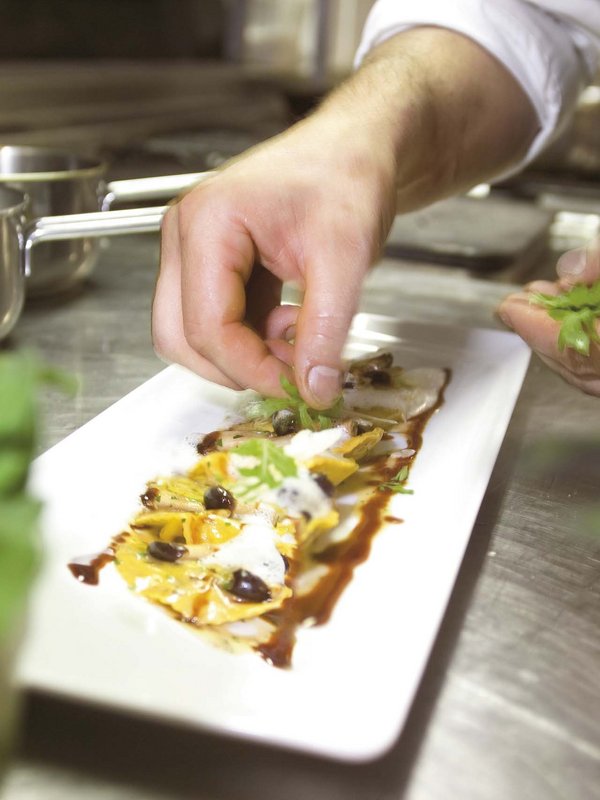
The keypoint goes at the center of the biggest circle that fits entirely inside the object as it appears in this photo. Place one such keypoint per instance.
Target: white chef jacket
(551, 47)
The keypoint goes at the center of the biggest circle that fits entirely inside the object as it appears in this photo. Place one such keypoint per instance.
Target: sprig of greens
(397, 483)
(267, 465)
(310, 418)
(577, 311)
(20, 376)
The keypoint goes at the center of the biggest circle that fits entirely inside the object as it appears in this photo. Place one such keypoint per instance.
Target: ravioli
(214, 546)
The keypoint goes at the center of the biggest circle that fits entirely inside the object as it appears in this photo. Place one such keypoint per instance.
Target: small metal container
(58, 184)
(13, 211)
(20, 234)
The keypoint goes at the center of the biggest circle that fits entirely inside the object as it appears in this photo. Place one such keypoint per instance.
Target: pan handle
(162, 187)
(97, 223)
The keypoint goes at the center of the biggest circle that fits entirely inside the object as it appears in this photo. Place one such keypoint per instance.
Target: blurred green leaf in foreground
(21, 375)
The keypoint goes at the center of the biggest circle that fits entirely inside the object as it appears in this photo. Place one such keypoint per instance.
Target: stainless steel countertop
(509, 706)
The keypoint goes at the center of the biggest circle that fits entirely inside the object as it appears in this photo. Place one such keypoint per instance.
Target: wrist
(439, 108)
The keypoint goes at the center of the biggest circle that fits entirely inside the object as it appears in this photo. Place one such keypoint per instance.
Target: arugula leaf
(309, 418)
(268, 467)
(396, 484)
(289, 387)
(577, 311)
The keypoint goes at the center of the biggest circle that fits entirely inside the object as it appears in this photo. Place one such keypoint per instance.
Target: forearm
(428, 115)
(439, 108)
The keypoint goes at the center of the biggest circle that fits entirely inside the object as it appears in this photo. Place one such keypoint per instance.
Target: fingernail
(504, 317)
(325, 384)
(572, 263)
(290, 333)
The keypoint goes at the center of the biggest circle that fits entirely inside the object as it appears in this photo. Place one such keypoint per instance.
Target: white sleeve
(551, 47)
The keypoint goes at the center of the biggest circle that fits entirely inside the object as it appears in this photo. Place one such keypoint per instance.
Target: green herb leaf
(577, 311)
(289, 388)
(309, 418)
(268, 467)
(19, 554)
(396, 484)
(20, 376)
(306, 420)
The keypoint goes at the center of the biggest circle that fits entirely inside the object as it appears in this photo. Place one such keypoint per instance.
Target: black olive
(166, 551)
(218, 497)
(284, 421)
(378, 377)
(249, 587)
(324, 483)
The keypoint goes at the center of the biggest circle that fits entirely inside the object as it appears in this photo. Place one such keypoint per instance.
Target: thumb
(581, 265)
(330, 302)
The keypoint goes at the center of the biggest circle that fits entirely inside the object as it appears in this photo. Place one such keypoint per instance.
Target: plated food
(263, 533)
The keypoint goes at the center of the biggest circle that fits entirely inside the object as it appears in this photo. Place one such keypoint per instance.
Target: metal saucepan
(19, 234)
(59, 183)
(13, 210)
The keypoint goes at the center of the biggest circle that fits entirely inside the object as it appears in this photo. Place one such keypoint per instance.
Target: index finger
(217, 257)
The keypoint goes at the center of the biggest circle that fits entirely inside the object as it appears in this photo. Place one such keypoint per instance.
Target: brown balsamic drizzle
(87, 568)
(342, 557)
(318, 604)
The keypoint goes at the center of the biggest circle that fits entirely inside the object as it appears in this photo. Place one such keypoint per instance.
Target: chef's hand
(301, 209)
(429, 114)
(540, 331)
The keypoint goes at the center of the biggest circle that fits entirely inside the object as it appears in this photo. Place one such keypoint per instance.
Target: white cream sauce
(254, 550)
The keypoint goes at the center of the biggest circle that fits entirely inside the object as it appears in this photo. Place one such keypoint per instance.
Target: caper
(249, 587)
(284, 421)
(218, 497)
(166, 551)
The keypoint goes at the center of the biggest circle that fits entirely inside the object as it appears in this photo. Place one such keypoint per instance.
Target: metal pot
(59, 183)
(13, 210)
(19, 234)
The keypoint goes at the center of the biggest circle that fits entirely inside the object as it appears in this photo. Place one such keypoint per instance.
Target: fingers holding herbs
(561, 321)
(580, 266)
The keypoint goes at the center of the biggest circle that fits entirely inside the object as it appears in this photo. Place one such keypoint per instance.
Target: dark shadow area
(39, 29)
(46, 302)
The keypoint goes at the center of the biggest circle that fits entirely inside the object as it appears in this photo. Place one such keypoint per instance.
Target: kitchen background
(161, 86)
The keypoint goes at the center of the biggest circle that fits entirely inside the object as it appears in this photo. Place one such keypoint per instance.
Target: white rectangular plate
(352, 680)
